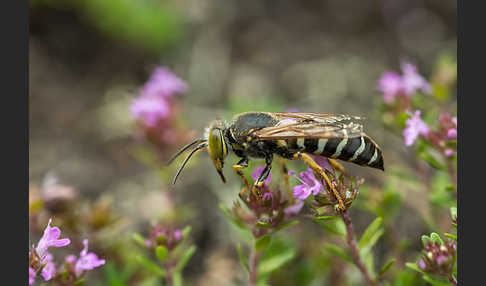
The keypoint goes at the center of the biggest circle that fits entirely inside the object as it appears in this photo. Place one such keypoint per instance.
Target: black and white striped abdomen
(359, 150)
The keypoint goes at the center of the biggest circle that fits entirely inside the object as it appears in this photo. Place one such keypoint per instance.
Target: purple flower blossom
(421, 264)
(256, 172)
(267, 196)
(49, 269)
(414, 127)
(448, 152)
(150, 109)
(295, 208)
(87, 260)
(177, 235)
(50, 238)
(390, 84)
(310, 185)
(163, 83)
(452, 133)
(32, 275)
(412, 80)
(71, 259)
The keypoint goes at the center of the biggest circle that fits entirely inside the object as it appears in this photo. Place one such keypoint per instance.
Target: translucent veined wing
(311, 125)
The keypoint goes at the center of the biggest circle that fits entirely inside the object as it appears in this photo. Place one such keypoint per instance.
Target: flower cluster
(415, 126)
(438, 257)
(396, 87)
(268, 210)
(167, 236)
(444, 139)
(41, 261)
(154, 107)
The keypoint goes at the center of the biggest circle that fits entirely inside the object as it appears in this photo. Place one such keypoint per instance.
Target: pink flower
(50, 238)
(32, 275)
(452, 133)
(256, 172)
(163, 83)
(421, 264)
(49, 269)
(177, 235)
(87, 260)
(414, 127)
(150, 109)
(71, 259)
(412, 80)
(267, 196)
(390, 84)
(295, 208)
(310, 185)
(448, 152)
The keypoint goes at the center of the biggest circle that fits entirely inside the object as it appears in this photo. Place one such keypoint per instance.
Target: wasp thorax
(217, 148)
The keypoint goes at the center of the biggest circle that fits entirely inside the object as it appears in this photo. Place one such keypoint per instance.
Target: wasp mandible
(290, 135)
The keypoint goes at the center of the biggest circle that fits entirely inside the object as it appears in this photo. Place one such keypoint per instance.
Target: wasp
(290, 135)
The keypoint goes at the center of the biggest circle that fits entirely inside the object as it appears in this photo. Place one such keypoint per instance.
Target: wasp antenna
(197, 149)
(200, 140)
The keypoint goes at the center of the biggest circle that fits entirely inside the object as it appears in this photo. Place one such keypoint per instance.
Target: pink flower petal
(50, 238)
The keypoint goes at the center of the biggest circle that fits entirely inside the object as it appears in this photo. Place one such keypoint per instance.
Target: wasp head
(217, 148)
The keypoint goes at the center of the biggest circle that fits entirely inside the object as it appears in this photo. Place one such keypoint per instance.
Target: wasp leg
(316, 168)
(263, 176)
(243, 163)
(335, 164)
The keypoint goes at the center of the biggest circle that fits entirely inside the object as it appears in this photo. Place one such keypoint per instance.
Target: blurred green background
(89, 58)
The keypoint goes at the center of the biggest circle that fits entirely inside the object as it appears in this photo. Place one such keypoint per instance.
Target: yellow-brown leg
(237, 168)
(335, 164)
(316, 168)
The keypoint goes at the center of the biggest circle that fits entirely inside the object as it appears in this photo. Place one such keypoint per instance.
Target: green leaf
(434, 237)
(161, 252)
(336, 227)
(161, 239)
(434, 281)
(177, 278)
(425, 240)
(370, 233)
(150, 265)
(242, 258)
(285, 225)
(79, 282)
(453, 212)
(185, 258)
(336, 250)
(324, 217)
(227, 213)
(452, 236)
(372, 241)
(185, 232)
(270, 264)
(262, 242)
(413, 266)
(263, 224)
(433, 161)
(385, 268)
(139, 239)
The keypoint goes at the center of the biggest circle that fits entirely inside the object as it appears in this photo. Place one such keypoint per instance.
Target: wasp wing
(311, 125)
